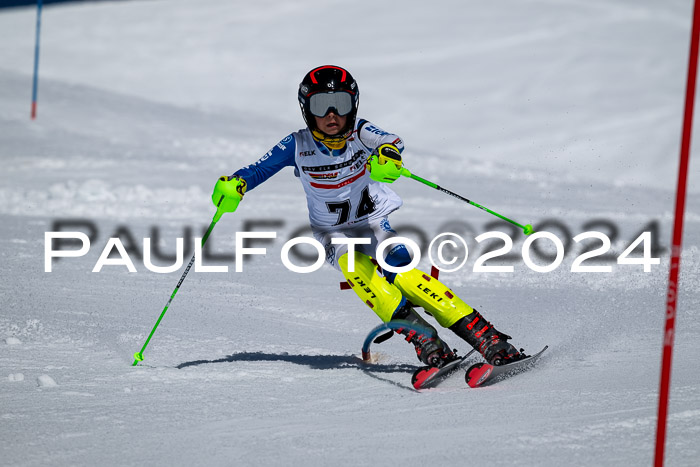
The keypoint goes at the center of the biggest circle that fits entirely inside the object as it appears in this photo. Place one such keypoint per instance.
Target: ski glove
(228, 192)
(385, 165)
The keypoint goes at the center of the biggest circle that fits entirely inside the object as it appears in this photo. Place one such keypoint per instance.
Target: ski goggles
(320, 104)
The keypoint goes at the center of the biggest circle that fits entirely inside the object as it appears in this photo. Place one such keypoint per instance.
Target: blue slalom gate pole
(36, 57)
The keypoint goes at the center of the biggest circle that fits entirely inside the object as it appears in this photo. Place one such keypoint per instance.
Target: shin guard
(382, 297)
(434, 296)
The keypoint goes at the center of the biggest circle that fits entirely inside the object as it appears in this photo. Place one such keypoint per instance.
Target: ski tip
(423, 376)
(477, 374)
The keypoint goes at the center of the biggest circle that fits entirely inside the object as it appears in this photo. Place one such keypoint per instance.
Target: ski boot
(430, 350)
(489, 342)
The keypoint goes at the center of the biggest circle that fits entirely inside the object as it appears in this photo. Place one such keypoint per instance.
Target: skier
(344, 165)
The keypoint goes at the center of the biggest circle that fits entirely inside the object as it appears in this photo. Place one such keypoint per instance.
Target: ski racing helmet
(329, 88)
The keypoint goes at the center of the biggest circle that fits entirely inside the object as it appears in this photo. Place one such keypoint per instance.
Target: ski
(483, 374)
(430, 376)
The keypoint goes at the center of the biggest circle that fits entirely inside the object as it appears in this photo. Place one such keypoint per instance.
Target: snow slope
(565, 111)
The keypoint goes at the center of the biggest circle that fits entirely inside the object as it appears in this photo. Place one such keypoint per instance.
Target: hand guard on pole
(228, 192)
(385, 165)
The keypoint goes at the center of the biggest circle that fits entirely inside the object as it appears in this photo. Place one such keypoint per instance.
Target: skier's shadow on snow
(316, 362)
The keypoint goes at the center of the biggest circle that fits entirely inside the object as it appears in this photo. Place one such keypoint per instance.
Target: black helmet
(329, 88)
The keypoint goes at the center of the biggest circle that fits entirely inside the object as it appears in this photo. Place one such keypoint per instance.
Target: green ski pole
(527, 229)
(138, 356)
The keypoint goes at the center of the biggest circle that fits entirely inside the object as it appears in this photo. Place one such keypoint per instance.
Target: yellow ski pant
(419, 288)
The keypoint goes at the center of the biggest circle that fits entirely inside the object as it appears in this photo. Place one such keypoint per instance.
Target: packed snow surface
(566, 115)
